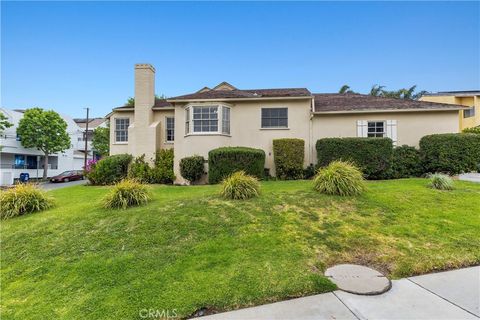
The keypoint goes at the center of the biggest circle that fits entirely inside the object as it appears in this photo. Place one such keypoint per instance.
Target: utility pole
(86, 141)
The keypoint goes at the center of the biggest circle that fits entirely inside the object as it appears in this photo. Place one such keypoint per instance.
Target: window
(205, 119)
(469, 112)
(19, 161)
(187, 120)
(169, 129)
(226, 120)
(376, 129)
(121, 129)
(274, 117)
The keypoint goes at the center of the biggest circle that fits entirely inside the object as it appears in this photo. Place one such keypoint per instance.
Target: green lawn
(189, 249)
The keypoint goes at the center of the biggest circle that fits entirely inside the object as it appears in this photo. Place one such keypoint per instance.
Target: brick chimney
(145, 131)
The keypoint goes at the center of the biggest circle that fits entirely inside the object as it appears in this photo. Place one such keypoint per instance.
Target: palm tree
(345, 89)
(377, 91)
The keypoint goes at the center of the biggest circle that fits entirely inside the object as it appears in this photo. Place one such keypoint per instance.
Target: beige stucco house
(226, 116)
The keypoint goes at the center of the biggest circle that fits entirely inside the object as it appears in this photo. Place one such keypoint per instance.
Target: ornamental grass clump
(23, 199)
(441, 181)
(126, 193)
(240, 186)
(339, 178)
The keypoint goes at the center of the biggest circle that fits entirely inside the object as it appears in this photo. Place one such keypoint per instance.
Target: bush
(309, 172)
(406, 162)
(140, 170)
(441, 182)
(163, 170)
(451, 152)
(192, 168)
(110, 170)
(240, 186)
(372, 155)
(224, 161)
(126, 193)
(475, 130)
(339, 178)
(23, 199)
(288, 156)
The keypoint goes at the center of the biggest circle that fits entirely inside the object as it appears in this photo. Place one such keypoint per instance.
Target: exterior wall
(472, 101)
(120, 147)
(245, 130)
(411, 126)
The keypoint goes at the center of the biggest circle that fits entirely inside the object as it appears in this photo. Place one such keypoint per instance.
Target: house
(468, 117)
(15, 159)
(227, 116)
(93, 123)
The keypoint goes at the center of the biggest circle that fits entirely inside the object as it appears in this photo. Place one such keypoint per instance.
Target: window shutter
(392, 130)
(362, 128)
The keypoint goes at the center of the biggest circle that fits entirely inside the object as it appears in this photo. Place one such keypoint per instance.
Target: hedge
(192, 168)
(163, 167)
(288, 157)
(372, 155)
(451, 153)
(110, 170)
(406, 162)
(224, 161)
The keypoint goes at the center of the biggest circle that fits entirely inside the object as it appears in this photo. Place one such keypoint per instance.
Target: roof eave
(389, 110)
(239, 99)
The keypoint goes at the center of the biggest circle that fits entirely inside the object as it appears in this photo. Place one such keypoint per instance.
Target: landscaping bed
(189, 249)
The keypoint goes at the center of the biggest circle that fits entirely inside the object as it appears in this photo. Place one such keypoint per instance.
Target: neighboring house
(226, 116)
(468, 117)
(15, 159)
(93, 123)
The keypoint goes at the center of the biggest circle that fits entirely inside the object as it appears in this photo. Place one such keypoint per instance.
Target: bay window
(207, 119)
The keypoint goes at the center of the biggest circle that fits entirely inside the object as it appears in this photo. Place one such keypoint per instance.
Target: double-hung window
(468, 113)
(169, 129)
(121, 129)
(376, 129)
(274, 118)
(207, 120)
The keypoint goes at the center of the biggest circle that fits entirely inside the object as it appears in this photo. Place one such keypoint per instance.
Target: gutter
(387, 110)
(239, 99)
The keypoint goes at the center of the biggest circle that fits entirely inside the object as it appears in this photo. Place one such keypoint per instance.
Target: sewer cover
(358, 279)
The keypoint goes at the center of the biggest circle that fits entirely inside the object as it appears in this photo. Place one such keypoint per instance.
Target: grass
(189, 249)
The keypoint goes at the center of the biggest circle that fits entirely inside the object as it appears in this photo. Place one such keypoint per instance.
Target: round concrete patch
(358, 279)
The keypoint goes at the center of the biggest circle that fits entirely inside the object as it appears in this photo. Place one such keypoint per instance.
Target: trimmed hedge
(110, 170)
(192, 168)
(450, 152)
(406, 162)
(288, 157)
(372, 155)
(222, 162)
(163, 167)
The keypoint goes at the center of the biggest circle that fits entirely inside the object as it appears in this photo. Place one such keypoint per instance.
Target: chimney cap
(144, 66)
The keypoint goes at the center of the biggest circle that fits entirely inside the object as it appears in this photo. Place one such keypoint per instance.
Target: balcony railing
(16, 166)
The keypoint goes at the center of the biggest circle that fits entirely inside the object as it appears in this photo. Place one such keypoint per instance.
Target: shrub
(240, 186)
(372, 155)
(451, 152)
(126, 193)
(339, 178)
(288, 156)
(309, 172)
(110, 170)
(224, 161)
(441, 182)
(163, 169)
(140, 170)
(472, 130)
(23, 199)
(192, 168)
(406, 162)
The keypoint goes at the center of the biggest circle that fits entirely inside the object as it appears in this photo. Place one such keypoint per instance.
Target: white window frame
(126, 130)
(166, 129)
(190, 121)
(273, 128)
(383, 133)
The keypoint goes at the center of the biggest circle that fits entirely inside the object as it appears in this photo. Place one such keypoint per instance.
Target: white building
(15, 159)
(93, 123)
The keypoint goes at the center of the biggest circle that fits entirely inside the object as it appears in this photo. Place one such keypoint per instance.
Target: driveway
(59, 185)
(444, 295)
(472, 177)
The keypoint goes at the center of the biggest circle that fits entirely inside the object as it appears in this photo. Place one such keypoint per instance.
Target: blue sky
(68, 55)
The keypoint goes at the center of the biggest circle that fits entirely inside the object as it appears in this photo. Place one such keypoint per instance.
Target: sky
(67, 56)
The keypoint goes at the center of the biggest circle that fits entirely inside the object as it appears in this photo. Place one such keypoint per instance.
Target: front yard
(188, 249)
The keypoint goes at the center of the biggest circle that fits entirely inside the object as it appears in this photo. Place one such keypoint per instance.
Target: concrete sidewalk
(445, 295)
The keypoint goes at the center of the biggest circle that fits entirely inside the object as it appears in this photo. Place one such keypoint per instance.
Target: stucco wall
(473, 101)
(119, 147)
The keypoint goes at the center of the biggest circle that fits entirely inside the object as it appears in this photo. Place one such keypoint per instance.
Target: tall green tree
(4, 123)
(101, 141)
(345, 89)
(45, 131)
(131, 101)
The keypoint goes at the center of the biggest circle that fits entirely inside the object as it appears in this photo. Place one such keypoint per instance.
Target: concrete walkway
(472, 177)
(445, 295)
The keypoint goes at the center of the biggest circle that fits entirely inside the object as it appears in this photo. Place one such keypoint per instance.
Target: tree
(131, 101)
(377, 90)
(101, 141)
(404, 93)
(44, 130)
(345, 89)
(4, 123)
